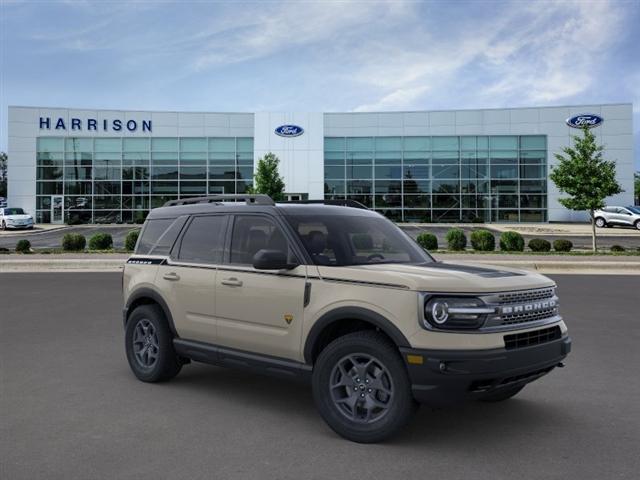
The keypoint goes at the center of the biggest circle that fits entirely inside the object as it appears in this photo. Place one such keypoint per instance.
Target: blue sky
(318, 55)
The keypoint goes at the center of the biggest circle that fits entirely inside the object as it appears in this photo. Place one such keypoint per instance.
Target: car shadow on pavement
(474, 425)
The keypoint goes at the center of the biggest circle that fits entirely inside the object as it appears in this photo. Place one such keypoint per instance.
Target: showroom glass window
(107, 180)
(441, 178)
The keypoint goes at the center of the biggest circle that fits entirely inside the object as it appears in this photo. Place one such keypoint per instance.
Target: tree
(267, 179)
(3, 174)
(636, 187)
(585, 177)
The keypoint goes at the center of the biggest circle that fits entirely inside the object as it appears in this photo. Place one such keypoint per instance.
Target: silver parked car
(623, 216)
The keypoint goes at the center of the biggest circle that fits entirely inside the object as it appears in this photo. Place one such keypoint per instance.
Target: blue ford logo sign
(289, 131)
(583, 120)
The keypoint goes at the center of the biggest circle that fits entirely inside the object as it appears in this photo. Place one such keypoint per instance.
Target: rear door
(258, 310)
(188, 279)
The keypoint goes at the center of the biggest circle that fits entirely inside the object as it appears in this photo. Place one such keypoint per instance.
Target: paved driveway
(71, 409)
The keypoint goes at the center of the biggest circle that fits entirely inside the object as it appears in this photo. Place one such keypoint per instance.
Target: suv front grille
(514, 308)
(535, 337)
(525, 296)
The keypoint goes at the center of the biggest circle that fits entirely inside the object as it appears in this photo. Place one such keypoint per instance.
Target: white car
(15, 218)
(623, 216)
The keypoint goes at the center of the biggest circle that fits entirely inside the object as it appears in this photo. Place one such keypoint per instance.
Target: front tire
(149, 345)
(361, 387)
(637, 224)
(600, 222)
(4, 225)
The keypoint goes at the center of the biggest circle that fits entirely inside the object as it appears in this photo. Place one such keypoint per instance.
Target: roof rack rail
(337, 202)
(248, 199)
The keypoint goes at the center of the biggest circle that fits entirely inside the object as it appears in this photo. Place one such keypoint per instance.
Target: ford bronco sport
(337, 296)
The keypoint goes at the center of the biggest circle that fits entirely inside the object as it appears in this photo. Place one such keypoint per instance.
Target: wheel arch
(147, 296)
(344, 320)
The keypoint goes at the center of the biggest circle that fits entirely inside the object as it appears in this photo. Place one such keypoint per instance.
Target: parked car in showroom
(15, 218)
(621, 216)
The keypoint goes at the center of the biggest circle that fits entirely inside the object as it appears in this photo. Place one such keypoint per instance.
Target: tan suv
(337, 296)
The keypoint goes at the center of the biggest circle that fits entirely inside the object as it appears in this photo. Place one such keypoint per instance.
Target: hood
(18, 217)
(441, 277)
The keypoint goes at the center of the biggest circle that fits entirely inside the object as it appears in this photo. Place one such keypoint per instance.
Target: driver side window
(252, 233)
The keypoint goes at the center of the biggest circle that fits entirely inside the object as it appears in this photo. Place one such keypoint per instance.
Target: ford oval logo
(588, 120)
(289, 131)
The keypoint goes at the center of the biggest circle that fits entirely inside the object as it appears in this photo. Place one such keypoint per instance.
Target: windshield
(346, 240)
(13, 211)
(634, 209)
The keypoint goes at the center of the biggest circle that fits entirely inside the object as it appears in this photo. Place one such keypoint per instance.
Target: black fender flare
(351, 313)
(144, 292)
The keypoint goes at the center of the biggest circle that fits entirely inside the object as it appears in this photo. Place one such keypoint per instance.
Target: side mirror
(271, 260)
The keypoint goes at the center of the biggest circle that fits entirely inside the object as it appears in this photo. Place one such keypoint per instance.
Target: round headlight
(439, 312)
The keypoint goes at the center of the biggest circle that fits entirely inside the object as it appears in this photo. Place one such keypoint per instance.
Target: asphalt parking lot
(70, 408)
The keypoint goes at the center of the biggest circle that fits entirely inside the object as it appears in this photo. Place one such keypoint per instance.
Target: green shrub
(456, 239)
(539, 245)
(562, 245)
(131, 239)
(483, 240)
(428, 241)
(101, 241)
(511, 242)
(73, 242)
(23, 246)
(617, 248)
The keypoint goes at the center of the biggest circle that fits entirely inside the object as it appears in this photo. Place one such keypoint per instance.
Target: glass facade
(112, 180)
(441, 178)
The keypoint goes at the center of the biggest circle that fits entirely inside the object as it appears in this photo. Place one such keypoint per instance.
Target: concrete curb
(116, 265)
(62, 264)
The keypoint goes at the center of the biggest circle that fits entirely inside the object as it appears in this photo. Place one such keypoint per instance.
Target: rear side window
(203, 242)
(159, 236)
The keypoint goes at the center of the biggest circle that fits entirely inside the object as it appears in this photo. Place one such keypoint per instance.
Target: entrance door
(57, 209)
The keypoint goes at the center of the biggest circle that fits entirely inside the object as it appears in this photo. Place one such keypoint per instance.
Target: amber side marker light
(415, 359)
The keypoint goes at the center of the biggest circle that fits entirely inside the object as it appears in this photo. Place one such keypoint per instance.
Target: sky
(318, 55)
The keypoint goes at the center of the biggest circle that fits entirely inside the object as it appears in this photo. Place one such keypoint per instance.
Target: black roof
(257, 203)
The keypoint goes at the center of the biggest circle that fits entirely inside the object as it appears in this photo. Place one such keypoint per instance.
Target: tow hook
(560, 365)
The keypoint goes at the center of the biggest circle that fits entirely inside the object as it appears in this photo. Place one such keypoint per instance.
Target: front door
(57, 209)
(258, 310)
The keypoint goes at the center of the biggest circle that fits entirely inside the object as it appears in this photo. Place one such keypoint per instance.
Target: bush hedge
(483, 240)
(101, 241)
(617, 248)
(539, 245)
(73, 242)
(428, 241)
(511, 242)
(131, 239)
(23, 246)
(456, 239)
(562, 245)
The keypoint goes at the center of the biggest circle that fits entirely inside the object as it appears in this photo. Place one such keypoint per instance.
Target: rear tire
(149, 345)
(601, 222)
(502, 394)
(4, 225)
(361, 387)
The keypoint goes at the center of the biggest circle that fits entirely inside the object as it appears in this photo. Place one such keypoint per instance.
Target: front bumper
(448, 376)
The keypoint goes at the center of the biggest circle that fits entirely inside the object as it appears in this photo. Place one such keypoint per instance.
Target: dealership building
(79, 165)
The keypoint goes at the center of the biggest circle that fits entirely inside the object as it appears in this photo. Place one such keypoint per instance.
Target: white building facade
(112, 166)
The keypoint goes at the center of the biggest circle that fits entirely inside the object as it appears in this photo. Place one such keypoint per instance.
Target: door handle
(172, 276)
(232, 282)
